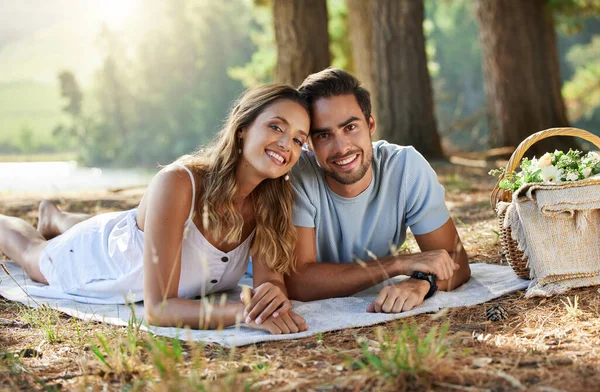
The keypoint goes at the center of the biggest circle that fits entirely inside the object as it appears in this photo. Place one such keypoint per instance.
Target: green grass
(404, 353)
(46, 319)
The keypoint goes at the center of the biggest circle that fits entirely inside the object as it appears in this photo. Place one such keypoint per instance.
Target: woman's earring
(287, 177)
(240, 147)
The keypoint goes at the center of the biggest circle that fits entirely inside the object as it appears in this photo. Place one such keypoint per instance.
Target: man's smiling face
(341, 140)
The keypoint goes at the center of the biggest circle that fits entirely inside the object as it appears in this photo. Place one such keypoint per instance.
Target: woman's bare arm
(167, 205)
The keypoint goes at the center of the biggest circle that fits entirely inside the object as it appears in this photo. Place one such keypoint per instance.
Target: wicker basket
(510, 251)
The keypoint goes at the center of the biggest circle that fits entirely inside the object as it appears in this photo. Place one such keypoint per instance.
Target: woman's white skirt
(99, 260)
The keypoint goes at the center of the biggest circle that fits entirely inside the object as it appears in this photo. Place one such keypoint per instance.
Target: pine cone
(495, 312)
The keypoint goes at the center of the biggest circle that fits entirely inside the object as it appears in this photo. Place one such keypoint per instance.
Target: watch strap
(429, 278)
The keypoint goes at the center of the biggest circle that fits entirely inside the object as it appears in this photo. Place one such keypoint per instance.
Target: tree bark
(522, 78)
(302, 39)
(360, 29)
(402, 92)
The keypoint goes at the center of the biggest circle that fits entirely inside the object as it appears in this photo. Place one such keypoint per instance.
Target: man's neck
(352, 190)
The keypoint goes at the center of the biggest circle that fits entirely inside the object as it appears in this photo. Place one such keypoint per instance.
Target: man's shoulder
(305, 173)
(390, 155)
(306, 164)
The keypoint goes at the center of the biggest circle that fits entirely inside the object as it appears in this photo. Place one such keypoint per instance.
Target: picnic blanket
(488, 281)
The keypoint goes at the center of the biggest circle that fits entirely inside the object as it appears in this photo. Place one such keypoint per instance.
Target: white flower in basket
(552, 174)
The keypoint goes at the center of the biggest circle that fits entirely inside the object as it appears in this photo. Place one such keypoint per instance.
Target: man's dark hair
(332, 82)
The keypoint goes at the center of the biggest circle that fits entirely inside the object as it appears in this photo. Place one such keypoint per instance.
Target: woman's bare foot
(47, 213)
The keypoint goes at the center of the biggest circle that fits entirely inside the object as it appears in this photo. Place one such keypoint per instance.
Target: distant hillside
(38, 40)
(30, 104)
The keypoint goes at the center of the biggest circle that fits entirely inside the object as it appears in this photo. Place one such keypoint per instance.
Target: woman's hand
(290, 322)
(265, 301)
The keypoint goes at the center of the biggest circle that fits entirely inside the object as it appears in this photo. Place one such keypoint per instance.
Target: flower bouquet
(553, 167)
(549, 215)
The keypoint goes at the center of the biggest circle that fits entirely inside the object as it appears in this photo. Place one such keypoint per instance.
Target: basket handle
(499, 194)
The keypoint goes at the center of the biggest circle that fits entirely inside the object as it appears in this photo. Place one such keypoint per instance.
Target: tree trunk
(302, 39)
(360, 29)
(522, 78)
(403, 95)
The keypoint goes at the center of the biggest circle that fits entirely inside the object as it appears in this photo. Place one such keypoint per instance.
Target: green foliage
(340, 46)
(261, 67)
(171, 91)
(26, 140)
(582, 92)
(405, 352)
(163, 93)
(571, 14)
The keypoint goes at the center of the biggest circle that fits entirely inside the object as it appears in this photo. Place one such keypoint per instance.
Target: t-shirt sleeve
(303, 212)
(426, 209)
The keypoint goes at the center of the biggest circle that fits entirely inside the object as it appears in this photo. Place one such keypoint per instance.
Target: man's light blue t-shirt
(404, 192)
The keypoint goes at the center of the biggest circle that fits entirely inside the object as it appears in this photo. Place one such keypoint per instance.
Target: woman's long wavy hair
(275, 238)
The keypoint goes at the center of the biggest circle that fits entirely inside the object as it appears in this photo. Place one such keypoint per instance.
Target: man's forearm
(461, 275)
(315, 281)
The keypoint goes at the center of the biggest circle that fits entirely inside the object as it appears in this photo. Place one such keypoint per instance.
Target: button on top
(214, 281)
(224, 259)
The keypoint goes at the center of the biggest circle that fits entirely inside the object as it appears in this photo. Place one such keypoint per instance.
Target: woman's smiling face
(273, 142)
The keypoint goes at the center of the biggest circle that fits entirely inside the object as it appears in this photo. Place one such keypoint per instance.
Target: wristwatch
(428, 277)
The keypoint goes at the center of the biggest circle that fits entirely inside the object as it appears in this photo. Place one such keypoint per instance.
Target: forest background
(130, 83)
(135, 83)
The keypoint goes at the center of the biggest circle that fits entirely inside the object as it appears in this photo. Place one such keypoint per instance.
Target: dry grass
(548, 344)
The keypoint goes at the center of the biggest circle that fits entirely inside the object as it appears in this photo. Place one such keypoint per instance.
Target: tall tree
(359, 18)
(522, 78)
(389, 56)
(302, 39)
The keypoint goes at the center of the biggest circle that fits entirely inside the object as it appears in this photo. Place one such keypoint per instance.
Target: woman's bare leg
(23, 244)
(53, 222)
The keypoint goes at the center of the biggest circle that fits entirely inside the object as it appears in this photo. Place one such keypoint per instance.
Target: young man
(354, 202)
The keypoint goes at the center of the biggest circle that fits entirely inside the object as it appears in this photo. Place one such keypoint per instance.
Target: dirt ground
(543, 345)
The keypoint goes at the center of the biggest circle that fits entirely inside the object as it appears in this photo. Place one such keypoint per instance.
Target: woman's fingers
(299, 320)
(283, 309)
(290, 323)
(280, 324)
(261, 298)
(257, 295)
(270, 308)
(272, 328)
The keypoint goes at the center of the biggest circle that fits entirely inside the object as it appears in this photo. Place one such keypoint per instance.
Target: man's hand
(400, 297)
(290, 322)
(437, 262)
(266, 300)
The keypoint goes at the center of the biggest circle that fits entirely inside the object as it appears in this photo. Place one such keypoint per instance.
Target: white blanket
(487, 282)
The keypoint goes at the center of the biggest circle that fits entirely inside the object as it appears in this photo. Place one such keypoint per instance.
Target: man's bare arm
(313, 281)
(446, 237)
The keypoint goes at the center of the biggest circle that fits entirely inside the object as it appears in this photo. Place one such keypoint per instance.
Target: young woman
(199, 221)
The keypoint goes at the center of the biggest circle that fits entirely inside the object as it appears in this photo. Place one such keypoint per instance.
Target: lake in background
(61, 177)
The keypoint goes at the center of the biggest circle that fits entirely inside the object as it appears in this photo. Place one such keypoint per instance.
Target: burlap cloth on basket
(557, 226)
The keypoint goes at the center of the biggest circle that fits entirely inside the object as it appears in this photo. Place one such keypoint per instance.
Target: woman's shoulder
(178, 179)
(168, 194)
